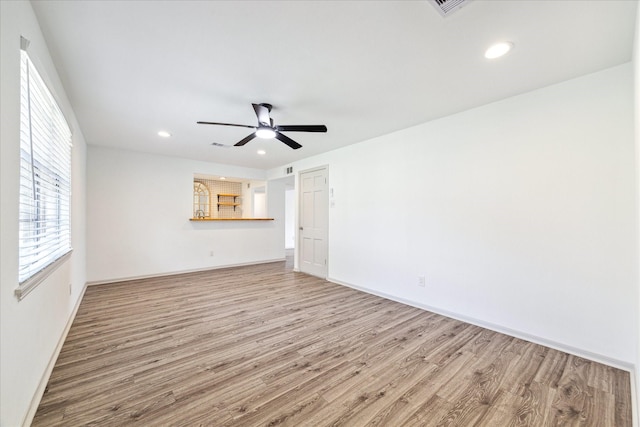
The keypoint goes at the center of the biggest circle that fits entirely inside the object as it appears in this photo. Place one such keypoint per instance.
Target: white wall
(636, 62)
(276, 209)
(30, 330)
(290, 219)
(259, 203)
(139, 207)
(519, 213)
(248, 189)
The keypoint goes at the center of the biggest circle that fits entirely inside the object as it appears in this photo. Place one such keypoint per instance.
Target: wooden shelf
(230, 219)
(234, 204)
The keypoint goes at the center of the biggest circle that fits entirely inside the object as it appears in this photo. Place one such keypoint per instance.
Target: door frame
(298, 208)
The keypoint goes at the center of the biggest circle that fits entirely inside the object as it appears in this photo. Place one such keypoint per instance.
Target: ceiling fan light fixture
(498, 49)
(265, 133)
(267, 130)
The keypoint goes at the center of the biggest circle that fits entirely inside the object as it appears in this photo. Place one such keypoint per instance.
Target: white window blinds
(45, 177)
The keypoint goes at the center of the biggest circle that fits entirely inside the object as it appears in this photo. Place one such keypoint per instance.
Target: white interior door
(314, 215)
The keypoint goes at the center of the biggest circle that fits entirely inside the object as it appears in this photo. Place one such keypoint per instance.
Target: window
(45, 180)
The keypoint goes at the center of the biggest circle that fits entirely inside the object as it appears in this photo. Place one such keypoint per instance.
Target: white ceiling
(362, 68)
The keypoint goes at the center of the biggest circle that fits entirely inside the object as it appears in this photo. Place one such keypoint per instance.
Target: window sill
(32, 282)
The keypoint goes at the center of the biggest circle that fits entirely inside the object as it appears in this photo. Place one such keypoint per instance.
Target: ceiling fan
(266, 128)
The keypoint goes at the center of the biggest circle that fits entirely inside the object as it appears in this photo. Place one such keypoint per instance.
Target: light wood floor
(264, 346)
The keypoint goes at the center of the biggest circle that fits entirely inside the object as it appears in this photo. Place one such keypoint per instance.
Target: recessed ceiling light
(498, 49)
(222, 178)
(164, 134)
(262, 152)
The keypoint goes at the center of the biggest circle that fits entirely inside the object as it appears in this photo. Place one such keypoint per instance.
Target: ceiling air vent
(447, 7)
(217, 144)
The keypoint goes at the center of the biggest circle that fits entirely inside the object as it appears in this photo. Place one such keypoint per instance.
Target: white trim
(32, 282)
(37, 397)
(635, 399)
(595, 357)
(175, 273)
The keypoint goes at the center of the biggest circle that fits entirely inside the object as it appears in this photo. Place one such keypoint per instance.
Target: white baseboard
(174, 273)
(501, 329)
(35, 402)
(635, 398)
(42, 385)
(605, 360)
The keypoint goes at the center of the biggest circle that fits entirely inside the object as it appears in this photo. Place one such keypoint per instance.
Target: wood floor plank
(265, 346)
(414, 401)
(529, 411)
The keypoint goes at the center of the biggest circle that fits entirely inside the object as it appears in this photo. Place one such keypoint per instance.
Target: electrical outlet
(422, 281)
(211, 253)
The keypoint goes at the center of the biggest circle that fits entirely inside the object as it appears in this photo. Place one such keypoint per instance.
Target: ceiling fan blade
(290, 142)
(302, 128)
(262, 112)
(245, 140)
(226, 124)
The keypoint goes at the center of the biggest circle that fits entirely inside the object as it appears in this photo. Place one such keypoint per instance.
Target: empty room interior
(309, 213)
